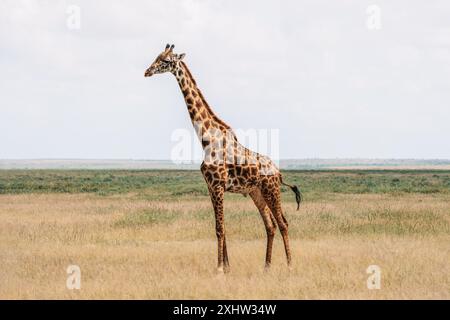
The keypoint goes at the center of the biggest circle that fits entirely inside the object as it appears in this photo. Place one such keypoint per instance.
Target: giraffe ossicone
(228, 166)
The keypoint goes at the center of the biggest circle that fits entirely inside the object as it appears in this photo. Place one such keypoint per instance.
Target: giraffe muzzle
(148, 73)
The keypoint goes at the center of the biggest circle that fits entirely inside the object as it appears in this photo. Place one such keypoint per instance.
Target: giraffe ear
(181, 56)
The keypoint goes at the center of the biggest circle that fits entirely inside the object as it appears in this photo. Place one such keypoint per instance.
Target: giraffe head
(166, 61)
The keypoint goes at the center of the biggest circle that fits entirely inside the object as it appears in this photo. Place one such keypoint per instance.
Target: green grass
(101, 181)
(165, 184)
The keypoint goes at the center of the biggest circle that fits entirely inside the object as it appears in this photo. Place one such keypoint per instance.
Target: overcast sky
(333, 86)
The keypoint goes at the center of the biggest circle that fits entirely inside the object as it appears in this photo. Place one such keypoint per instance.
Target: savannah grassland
(150, 235)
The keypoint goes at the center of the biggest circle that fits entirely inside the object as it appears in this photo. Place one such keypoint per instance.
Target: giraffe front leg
(226, 263)
(217, 201)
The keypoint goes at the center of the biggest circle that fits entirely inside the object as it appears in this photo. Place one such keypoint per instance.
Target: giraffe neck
(201, 114)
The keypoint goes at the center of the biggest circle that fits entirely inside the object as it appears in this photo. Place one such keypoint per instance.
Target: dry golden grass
(129, 247)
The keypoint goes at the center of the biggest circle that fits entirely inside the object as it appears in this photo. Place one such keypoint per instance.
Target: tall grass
(150, 234)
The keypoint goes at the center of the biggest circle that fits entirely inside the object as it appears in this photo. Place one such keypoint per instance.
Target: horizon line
(196, 160)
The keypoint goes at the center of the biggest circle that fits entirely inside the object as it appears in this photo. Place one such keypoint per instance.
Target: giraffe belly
(240, 185)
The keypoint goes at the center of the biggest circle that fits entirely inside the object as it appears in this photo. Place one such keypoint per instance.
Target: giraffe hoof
(220, 270)
(267, 268)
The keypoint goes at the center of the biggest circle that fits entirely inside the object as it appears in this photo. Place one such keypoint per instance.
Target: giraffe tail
(296, 190)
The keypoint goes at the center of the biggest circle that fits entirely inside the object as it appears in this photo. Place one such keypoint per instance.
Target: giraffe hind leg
(269, 222)
(273, 200)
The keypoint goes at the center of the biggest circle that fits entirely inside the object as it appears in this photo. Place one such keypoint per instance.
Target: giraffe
(228, 166)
